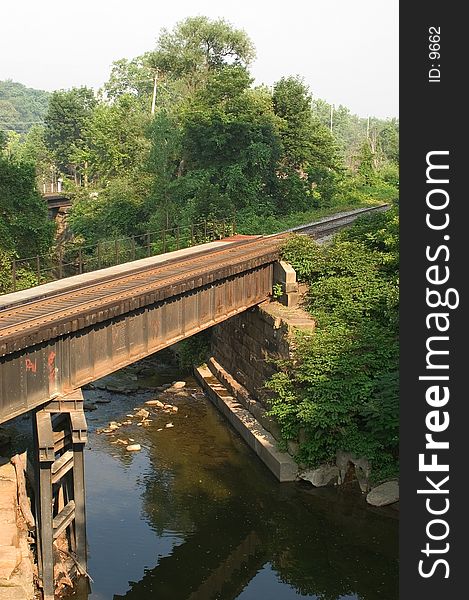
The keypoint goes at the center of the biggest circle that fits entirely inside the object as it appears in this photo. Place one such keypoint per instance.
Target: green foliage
(194, 351)
(114, 211)
(65, 124)
(20, 106)
(25, 230)
(24, 227)
(197, 45)
(341, 388)
(309, 165)
(115, 138)
(277, 290)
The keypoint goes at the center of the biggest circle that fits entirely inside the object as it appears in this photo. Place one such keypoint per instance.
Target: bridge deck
(27, 317)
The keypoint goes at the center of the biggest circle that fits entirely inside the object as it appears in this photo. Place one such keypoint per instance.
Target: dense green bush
(341, 387)
(193, 351)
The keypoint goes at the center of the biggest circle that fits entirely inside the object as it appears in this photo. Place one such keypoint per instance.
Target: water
(196, 516)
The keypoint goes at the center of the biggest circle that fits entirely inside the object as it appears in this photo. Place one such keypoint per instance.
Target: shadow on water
(196, 516)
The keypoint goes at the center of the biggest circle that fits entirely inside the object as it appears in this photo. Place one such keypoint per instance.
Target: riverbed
(195, 515)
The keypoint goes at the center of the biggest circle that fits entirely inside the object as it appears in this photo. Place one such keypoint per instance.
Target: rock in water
(384, 494)
(142, 413)
(177, 385)
(169, 425)
(156, 403)
(322, 476)
(102, 401)
(133, 448)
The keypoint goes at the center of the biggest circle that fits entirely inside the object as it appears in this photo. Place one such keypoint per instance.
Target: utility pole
(332, 113)
(153, 101)
(368, 128)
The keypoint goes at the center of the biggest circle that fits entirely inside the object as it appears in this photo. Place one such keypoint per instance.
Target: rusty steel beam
(106, 340)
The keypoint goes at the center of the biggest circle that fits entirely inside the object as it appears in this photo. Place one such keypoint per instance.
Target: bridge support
(60, 434)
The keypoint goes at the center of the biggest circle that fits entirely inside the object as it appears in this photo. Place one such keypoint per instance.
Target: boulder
(142, 413)
(353, 466)
(322, 476)
(384, 494)
(156, 403)
(133, 448)
(178, 385)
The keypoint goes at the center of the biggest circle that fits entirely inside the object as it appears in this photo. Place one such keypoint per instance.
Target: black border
(432, 117)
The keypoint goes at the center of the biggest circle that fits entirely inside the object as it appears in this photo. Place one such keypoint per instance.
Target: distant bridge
(56, 202)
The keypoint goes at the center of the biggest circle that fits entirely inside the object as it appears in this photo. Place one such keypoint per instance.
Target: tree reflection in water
(230, 518)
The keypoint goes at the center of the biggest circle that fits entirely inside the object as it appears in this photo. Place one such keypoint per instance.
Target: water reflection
(196, 516)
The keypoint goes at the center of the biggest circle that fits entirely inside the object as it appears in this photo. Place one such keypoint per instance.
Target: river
(196, 516)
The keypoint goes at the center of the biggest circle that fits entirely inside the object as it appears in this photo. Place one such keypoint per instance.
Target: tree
(309, 161)
(114, 138)
(65, 123)
(198, 45)
(32, 149)
(130, 77)
(229, 146)
(20, 106)
(25, 229)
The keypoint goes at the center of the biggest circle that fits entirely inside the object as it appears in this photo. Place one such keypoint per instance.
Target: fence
(74, 259)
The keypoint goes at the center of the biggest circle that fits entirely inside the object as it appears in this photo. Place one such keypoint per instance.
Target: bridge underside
(51, 369)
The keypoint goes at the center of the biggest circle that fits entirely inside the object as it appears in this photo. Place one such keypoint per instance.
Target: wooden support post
(59, 444)
(44, 459)
(79, 497)
(45, 529)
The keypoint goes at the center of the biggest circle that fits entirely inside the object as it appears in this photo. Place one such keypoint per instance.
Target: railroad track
(107, 290)
(329, 225)
(21, 319)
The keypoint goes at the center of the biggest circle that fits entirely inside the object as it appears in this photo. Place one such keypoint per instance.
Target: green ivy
(341, 387)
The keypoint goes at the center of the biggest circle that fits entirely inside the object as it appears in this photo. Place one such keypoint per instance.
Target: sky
(346, 50)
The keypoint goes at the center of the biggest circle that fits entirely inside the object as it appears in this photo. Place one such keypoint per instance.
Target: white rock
(322, 476)
(169, 425)
(133, 448)
(177, 385)
(156, 403)
(386, 493)
(142, 413)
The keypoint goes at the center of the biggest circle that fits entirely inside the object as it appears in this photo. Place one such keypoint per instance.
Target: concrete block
(290, 299)
(284, 272)
(251, 430)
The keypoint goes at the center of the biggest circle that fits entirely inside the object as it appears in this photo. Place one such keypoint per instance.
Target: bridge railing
(75, 258)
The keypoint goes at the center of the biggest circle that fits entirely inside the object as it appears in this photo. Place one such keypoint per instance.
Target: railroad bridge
(57, 337)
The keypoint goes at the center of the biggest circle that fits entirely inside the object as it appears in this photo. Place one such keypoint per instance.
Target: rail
(75, 259)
